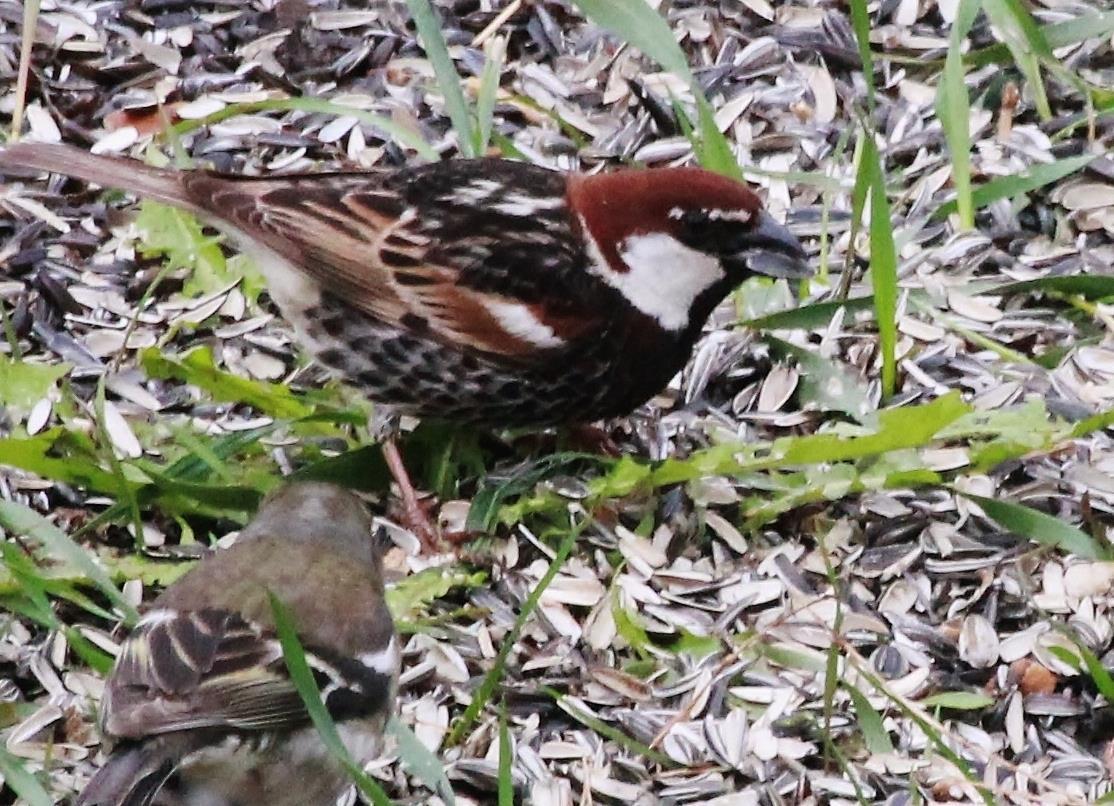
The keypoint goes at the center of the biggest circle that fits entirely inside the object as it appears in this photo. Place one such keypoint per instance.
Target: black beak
(771, 249)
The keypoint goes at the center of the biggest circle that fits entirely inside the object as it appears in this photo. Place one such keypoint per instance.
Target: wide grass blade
(883, 262)
(302, 677)
(870, 722)
(1026, 42)
(953, 108)
(644, 28)
(1041, 527)
(25, 785)
(1007, 187)
(420, 762)
(25, 522)
(429, 29)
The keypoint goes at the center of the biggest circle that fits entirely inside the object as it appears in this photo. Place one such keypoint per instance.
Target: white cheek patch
(520, 322)
(665, 276)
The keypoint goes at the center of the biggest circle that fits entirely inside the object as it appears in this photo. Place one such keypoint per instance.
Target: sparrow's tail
(135, 773)
(114, 172)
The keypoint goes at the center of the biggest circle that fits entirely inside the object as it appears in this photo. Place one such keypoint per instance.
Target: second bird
(200, 708)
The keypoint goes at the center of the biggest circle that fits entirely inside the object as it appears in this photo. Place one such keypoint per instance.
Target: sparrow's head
(674, 241)
(316, 512)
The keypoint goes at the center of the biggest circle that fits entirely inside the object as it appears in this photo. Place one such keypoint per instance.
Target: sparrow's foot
(417, 511)
(593, 439)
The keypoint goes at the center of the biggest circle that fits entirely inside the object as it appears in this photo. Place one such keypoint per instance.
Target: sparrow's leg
(384, 425)
(593, 438)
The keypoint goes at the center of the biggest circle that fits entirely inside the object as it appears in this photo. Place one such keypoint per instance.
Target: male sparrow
(483, 291)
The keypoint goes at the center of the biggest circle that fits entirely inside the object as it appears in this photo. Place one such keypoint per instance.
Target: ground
(857, 552)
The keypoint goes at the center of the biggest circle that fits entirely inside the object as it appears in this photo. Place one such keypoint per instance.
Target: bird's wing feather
(183, 670)
(482, 254)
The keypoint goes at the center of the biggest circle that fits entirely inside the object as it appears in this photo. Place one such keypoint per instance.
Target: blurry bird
(483, 291)
(200, 708)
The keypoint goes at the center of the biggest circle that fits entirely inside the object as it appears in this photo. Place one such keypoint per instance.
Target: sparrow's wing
(482, 254)
(181, 670)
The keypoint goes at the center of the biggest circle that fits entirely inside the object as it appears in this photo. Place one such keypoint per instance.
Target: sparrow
(481, 291)
(199, 708)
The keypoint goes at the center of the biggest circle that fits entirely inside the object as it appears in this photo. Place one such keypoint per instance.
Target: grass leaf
(870, 722)
(1007, 187)
(487, 686)
(1040, 527)
(21, 520)
(421, 762)
(506, 780)
(302, 677)
(953, 108)
(883, 263)
(403, 134)
(448, 80)
(21, 782)
(1026, 42)
(958, 700)
(860, 22)
(495, 52)
(641, 26)
(1088, 286)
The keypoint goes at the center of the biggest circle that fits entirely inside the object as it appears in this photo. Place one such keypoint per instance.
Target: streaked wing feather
(424, 251)
(199, 669)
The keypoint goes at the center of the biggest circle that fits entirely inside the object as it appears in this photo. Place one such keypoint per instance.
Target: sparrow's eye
(714, 231)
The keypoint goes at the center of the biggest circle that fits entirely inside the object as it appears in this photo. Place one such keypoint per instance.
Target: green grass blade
(422, 764)
(124, 491)
(644, 28)
(640, 25)
(1057, 35)
(1007, 187)
(870, 722)
(492, 678)
(953, 108)
(860, 22)
(489, 90)
(958, 700)
(883, 264)
(302, 678)
(506, 781)
(1040, 527)
(429, 29)
(20, 520)
(21, 782)
(609, 731)
(1026, 42)
(403, 134)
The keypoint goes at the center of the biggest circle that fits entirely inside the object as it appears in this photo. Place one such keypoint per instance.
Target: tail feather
(134, 774)
(116, 172)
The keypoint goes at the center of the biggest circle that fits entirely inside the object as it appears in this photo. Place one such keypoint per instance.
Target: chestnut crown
(675, 240)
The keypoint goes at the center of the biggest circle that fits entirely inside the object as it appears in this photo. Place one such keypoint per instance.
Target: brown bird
(200, 708)
(481, 291)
